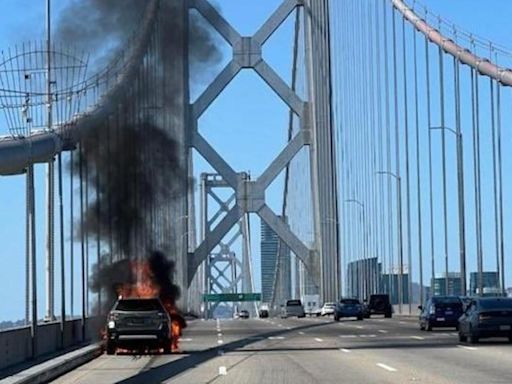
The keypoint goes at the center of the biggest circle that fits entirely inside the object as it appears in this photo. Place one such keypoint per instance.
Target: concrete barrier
(51, 369)
(16, 343)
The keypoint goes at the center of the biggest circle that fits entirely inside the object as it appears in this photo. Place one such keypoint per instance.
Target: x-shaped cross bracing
(250, 195)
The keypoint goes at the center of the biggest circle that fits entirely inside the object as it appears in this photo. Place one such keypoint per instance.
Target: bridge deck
(306, 351)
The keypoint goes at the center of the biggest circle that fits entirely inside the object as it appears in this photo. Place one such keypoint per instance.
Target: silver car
(293, 308)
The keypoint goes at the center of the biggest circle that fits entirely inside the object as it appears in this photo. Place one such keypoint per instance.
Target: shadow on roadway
(176, 367)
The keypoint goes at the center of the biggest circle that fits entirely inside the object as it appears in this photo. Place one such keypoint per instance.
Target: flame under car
(138, 324)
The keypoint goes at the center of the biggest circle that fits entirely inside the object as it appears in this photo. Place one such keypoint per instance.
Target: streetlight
(400, 238)
(462, 222)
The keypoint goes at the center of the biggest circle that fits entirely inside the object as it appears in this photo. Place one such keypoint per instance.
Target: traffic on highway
(326, 349)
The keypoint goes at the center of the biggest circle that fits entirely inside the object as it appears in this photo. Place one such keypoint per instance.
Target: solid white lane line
(359, 327)
(386, 367)
(417, 337)
(348, 336)
(383, 331)
(345, 350)
(275, 337)
(467, 348)
(318, 339)
(368, 335)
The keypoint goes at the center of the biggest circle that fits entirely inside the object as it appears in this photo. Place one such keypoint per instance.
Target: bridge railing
(16, 343)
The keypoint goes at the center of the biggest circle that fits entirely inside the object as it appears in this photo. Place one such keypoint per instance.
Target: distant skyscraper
(454, 285)
(363, 277)
(270, 246)
(490, 283)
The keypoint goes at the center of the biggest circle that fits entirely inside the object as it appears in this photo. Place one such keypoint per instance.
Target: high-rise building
(363, 277)
(454, 284)
(270, 246)
(389, 284)
(490, 283)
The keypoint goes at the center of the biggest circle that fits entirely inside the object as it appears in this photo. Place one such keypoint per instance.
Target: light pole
(400, 237)
(461, 209)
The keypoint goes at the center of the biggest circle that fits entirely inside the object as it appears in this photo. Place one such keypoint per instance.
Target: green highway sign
(223, 297)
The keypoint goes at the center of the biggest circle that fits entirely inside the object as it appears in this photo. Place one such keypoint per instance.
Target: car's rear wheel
(422, 327)
(336, 318)
(472, 338)
(359, 318)
(167, 347)
(462, 338)
(510, 339)
(388, 315)
(111, 348)
(429, 327)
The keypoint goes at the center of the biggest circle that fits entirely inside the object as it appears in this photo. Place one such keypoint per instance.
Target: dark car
(136, 323)
(348, 308)
(441, 311)
(378, 305)
(486, 317)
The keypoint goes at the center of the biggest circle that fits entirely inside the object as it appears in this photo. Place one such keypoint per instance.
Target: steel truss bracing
(315, 132)
(225, 270)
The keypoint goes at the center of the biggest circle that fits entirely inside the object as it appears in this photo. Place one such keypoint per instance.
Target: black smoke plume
(132, 162)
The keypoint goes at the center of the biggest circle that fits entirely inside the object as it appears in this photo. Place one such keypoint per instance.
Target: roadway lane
(309, 350)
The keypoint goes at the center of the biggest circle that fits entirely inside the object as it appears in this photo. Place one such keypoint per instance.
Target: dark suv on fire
(136, 323)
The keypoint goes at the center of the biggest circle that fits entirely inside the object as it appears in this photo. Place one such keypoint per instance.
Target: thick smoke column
(100, 27)
(133, 163)
(136, 169)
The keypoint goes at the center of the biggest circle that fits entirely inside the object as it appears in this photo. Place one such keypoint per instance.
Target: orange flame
(145, 287)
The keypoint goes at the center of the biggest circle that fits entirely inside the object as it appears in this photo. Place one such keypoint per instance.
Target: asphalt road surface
(309, 351)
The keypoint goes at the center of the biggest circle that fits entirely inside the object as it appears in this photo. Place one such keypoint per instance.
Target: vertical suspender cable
(495, 180)
(460, 179)
(397, 174)
(62, 258)
(71, 235)
(476, 171)
(391, 289)
(82, 241)
(418, 168)
(443, 150)
(407, 171)
(431, 188)
(500, 182)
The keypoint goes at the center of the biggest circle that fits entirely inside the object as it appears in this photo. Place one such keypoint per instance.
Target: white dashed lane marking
(386, 367)
(467, 348)
(318, 339)
(417, 338)
(345, 350)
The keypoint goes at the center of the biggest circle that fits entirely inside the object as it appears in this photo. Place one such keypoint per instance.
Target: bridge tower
(321, 260)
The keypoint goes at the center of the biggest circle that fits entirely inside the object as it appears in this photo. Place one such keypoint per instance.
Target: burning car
(139, 323)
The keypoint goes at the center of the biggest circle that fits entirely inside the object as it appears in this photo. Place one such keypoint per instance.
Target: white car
(328, 309)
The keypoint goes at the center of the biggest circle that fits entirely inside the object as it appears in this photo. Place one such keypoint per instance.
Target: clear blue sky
(248, 128)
